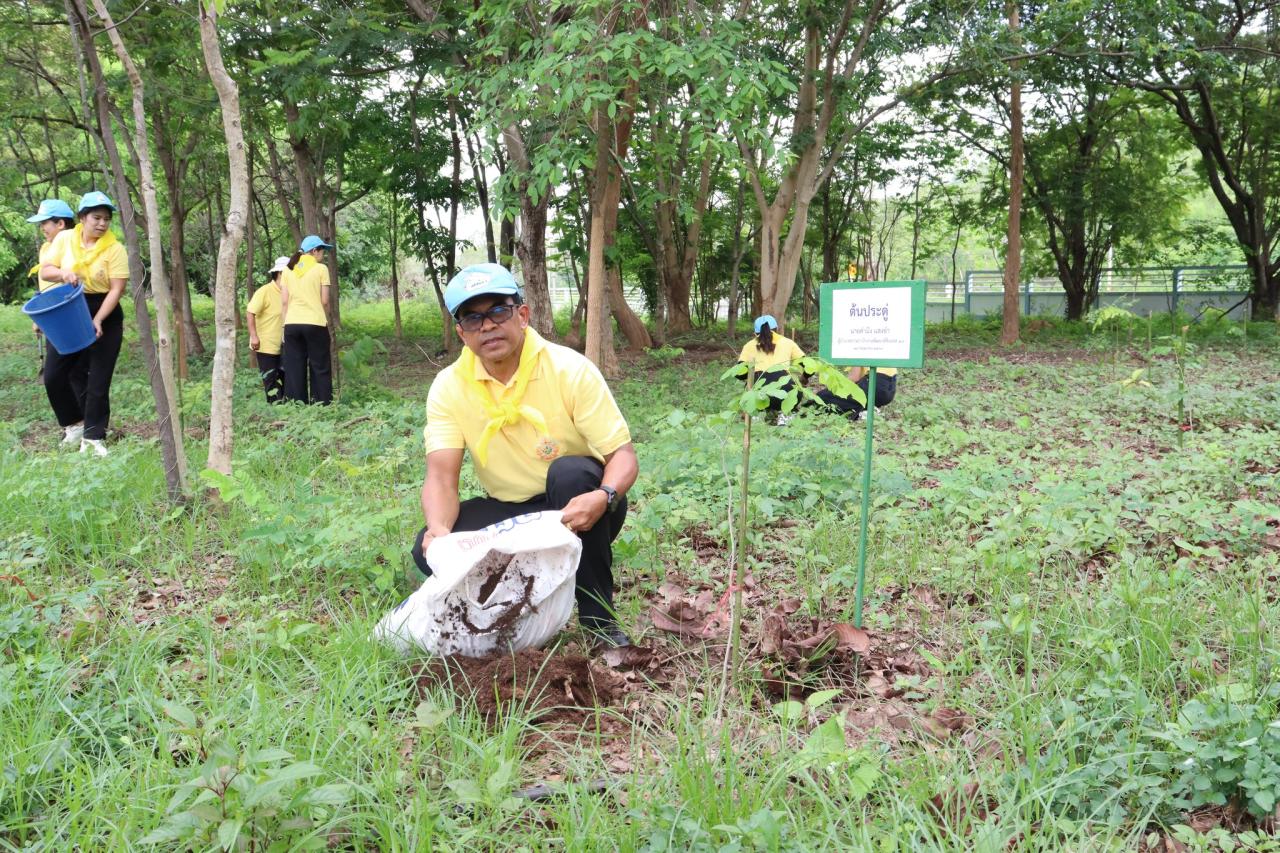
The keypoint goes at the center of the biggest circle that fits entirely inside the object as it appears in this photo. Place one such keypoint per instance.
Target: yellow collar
(509, 409)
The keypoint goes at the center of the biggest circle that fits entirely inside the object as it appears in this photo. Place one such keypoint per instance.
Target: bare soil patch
(549, 687)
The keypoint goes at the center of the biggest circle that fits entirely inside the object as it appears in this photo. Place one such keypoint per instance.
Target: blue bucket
(63, 315)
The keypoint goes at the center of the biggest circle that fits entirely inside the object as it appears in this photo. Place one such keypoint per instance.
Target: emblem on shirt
(547, 449)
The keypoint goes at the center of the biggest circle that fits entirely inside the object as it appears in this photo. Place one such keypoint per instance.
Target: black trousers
(78, 377)
(306, 351)
(79, 384)
(886, 389)
(770, 376)
(272, 376)
(567, 478)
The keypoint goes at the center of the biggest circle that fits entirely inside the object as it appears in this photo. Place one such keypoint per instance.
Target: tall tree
(1216, 64)
(1013, 243)
(104, 110)
(169, 420)
(224, 358)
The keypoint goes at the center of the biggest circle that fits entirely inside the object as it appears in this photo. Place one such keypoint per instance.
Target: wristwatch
(612, 493)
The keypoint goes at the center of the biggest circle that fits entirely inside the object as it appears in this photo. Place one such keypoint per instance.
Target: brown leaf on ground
(789, 605)
(630, 657)
(681, 618)
(851, 638)
(945, 722)
(771, 633)
(705, 600)
(671, 591)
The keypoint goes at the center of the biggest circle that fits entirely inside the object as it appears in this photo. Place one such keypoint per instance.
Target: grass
(1092, 604)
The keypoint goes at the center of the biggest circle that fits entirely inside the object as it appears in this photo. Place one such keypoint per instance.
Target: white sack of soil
(506, 587)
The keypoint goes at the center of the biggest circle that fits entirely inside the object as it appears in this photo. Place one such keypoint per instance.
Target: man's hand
(254, 343)
(429, 536)
(582, 513)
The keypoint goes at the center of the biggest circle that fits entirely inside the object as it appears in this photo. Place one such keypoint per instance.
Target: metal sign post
(871, 324)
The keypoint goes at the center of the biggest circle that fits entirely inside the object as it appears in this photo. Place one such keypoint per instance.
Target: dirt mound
(546, 687)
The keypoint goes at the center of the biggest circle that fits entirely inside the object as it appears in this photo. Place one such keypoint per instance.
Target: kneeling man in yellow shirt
(543, 432)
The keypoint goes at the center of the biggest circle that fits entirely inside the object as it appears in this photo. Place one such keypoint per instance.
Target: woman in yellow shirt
(55, 217)
(304, 296)
(89, 254)
(266, 331)
(770, 355)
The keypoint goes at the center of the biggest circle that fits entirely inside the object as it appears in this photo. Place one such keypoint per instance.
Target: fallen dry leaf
(681, 619)
(629, 657)
(851, 638)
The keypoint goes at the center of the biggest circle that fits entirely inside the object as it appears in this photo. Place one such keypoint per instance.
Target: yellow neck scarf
(508, 411)
(86, 258)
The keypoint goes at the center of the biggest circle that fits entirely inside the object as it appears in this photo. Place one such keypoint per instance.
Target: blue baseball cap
(479, 280)
(311, 241)
(94, 199)
(766, 320)
(52, 208)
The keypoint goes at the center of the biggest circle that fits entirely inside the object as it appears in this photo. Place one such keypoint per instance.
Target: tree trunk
(482, 192)
(250, 246)
(531, 246)
(174, 164)
(137, 272)
(1013, 255)
(170, 420)
(224, 365)
(599, 337)
(304, 166)
(395, 266)
(282, 198)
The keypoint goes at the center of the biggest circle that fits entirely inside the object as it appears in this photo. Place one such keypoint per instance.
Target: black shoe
(609, 637)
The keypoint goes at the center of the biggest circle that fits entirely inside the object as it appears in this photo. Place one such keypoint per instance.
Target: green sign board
(872, 323)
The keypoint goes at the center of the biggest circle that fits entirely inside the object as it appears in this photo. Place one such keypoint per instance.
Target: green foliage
(1225, 744)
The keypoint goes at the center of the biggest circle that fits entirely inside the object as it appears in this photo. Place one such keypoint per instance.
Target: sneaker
(93, 445)
(72, 434)
(783, 420)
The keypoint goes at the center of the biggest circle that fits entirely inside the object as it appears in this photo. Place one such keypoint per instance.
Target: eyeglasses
(499, 314)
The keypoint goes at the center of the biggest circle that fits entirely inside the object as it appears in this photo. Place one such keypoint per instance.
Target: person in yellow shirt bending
(91, 255)
(304, 297)
(543, 432)
(770, 354)
(266, 331)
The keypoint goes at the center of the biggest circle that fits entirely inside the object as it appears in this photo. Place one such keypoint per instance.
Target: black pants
(78, 376)
(886, 388)
(306, 350)
(567, 478)
(770, 376)
(79, 384)
(272, 376)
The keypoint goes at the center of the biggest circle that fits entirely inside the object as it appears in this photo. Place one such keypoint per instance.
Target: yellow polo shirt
(880, 371)
(304, 282)
(784, 352)
(265, 308)
(112, 263)
(582, 420)
(50, 253)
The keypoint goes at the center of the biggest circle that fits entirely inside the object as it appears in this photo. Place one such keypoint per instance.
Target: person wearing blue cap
(304, 301)
(55, 219)
(770, 355)
(543, 432)
(91, 255)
